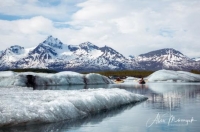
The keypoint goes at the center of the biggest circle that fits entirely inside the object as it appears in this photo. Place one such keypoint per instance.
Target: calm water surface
(171, 107)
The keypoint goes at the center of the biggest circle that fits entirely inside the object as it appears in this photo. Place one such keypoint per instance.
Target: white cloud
(135, 27)
(26, 32)
(54, 9)
(129, 26)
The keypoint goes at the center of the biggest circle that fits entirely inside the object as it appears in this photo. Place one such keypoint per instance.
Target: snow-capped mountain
(53, 54)
(165, 59)
(43, 54)
(11, 55)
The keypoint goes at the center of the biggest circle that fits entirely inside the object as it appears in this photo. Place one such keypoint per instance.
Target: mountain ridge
(53, 54)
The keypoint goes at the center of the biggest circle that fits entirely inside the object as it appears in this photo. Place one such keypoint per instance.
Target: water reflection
(71, 87)
(171, 96)
(129, 87)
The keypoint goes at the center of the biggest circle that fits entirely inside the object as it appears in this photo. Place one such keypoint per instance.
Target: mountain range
(53, 54)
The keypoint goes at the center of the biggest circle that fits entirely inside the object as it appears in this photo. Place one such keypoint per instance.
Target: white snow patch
(173, 76)
(26, 106)
(95, 53)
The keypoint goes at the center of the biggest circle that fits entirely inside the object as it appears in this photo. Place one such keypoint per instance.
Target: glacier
(173, 76)
(26, 106)
(9, 78)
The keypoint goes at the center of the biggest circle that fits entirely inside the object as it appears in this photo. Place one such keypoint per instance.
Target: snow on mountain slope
(163, 55)
(45, 52)
(100, 58)
(53, 54)
(112, 54)
(26, 106)
(111, 59)
(89, 56)
(12, 54)
(53, 42)
(165, 58)
(87, 46)
(87, 51)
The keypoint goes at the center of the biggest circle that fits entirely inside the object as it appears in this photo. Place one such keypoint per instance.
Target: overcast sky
(131, 27)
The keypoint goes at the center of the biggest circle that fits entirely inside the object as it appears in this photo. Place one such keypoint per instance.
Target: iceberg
(6, 73)
(32, 79)
(93, 78)
(173, 76)
(25, 106)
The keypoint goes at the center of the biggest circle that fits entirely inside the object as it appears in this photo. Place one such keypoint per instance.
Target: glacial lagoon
(170, 107)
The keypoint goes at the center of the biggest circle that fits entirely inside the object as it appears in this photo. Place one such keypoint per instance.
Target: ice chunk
(93, 78)
(12, 79)
(131, 78)
(173, 76)
(6, 73)
(45, 79)
(26, 106)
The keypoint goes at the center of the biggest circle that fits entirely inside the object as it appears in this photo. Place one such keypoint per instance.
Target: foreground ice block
(24, 106)
(44, 79)
(173, 76)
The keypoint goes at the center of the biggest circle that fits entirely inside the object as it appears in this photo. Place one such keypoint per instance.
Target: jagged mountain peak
(54, 42)
(45, 51)
(160, 52)
(88, 46)
(16, 49)
(10, 55)
(172, 51)
(108, 51)
(167, 58)
(86, 43)
(53, 54)
(73, 47)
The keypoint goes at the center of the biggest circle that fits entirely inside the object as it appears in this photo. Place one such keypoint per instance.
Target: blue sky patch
(9, 17)
(166, 32)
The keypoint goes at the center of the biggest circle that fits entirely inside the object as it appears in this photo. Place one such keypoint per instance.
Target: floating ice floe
(45, 79)
(25, 106)
(173, 76)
